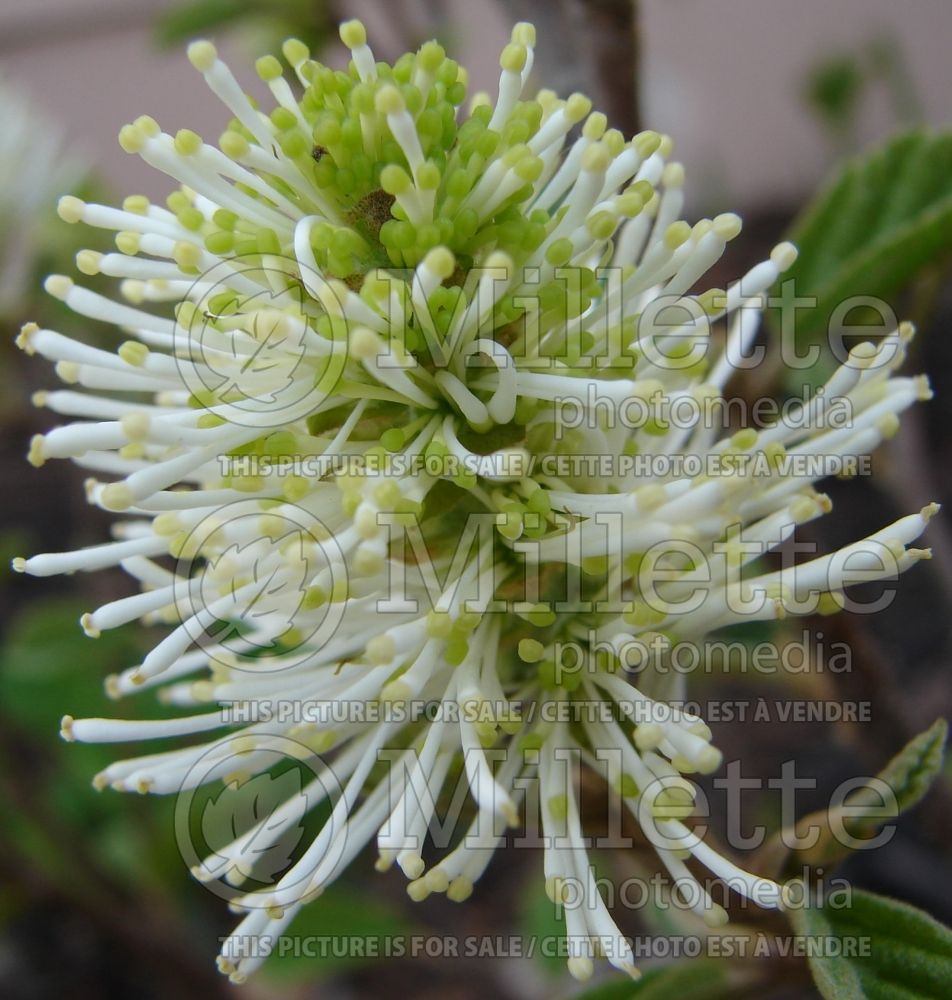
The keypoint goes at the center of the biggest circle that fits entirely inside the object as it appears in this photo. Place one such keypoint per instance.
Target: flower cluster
(369, 276)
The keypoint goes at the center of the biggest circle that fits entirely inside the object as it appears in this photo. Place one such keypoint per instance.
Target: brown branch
(589, 45)
(615, 45)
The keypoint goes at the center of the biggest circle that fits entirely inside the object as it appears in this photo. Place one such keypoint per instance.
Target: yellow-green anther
(188, 256)
(629, 204)
(595, 565)
(389, 100)
(190, 218)
(133, 352)
(233, 145)
(293, 145)
(559, 252)
(558, 806)
(137, 204)
(431, 56)
(177, 201)
(784, 255)
(387, 495)
(220, 242)
(712, 300)
(295, 51)
(148, 126)
(601, 225)
(283, 119)
(392, 439)
(439, 624)
(353, 34)
(596, 159)
(441, 262)
(643, 190)
(646, 143)
(88, 261)
(627, 787)
(677, 234)
(457, 649)
(744, 439)
(202, 55)
(427, 177)
(530, 168)
(728, 225)
(314, 597)
(615, 141)
(268, 68)
(531, 651)
(187, 142)
(224, 219)
(128, 243)
(513, 58)
(524, 33)
(70, 209)
(595, 126)
(131, 139)
(541, 616)
(577, 107)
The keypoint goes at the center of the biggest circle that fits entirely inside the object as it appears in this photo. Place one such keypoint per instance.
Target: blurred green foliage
(833, 90)
(882, 221)
(313, 21)
(838, 85)
(699, 979)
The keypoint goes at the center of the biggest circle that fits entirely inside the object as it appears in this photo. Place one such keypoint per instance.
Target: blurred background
(764, 102)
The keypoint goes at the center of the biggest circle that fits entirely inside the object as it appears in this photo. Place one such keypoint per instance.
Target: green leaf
(542, 920)
(699, 979)
(833, 90)
(885, 217)
(186, 21)
(909, 774)
(269, 21)
(48, 668)
(877, 948)
(342, 928)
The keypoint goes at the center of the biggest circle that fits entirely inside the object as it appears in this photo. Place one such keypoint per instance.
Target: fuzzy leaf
(909, 774)
(909, 953)
(884, 218)
(699, 979)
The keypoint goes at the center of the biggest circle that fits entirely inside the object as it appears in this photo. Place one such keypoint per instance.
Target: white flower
(386, 439)
(33, 168)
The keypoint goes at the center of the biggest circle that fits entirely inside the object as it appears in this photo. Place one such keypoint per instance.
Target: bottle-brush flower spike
(368, 276)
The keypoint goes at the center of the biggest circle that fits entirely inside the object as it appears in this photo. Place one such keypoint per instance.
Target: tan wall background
(723, 77)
